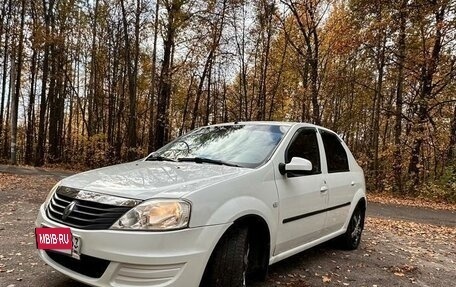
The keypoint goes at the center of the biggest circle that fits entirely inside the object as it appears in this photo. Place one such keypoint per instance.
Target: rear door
(339, 180)
(303, 196)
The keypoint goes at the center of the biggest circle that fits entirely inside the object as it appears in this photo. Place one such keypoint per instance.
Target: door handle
(352, 183)
(324, 188)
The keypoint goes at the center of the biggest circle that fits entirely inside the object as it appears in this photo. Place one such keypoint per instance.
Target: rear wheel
(352, 237)
(229, 263)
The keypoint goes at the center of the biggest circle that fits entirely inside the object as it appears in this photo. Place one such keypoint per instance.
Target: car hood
(148, 179)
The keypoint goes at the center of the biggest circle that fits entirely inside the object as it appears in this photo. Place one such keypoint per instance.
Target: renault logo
(68, 210)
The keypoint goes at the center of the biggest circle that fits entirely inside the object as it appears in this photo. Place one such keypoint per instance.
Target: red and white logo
(53, 238)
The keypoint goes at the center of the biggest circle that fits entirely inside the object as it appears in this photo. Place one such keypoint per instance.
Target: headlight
(158, 214)
(51, 193)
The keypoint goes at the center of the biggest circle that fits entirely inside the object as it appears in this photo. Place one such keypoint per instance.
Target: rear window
(336, 156)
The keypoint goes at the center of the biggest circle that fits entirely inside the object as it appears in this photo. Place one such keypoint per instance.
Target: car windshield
(244, 145)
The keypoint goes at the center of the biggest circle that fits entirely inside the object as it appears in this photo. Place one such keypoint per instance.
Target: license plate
(76, 248)
(60, 240)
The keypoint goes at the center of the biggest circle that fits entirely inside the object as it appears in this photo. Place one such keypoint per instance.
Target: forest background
(87, 83)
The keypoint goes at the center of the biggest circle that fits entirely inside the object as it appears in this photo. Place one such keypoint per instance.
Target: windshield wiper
(159, 158)
(207, 160)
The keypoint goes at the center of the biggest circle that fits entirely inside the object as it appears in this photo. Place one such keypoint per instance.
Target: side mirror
(297, 164)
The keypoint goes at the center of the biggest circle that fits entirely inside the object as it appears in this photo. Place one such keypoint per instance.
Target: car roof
(278, 123)
(268, 123)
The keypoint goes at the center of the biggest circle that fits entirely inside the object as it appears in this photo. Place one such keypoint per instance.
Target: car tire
(352, 237)
(229, 261)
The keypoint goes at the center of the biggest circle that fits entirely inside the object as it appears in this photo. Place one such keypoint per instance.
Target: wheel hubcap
(356, 227)
(246, 264)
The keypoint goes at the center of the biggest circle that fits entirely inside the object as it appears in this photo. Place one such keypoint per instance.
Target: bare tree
(308, 15)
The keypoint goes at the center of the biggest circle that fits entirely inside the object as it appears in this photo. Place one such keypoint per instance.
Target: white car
(214, 207)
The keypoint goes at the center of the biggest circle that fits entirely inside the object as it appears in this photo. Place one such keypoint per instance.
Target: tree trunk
(14, 110)
(7, 119)
(397, 164)
(56, 94)
(53, 105)
(16, 89)
(452, 144)
(305, 86)
(164, 87)
(377, 102)
(39, 160)
(151, 145)
(29, 140)
(266, 27)
(277, 83)
(131, 74)
(187, 100)
(208, 97)
(428, 70)
(5, 66)
(93, 78)
(199, 91)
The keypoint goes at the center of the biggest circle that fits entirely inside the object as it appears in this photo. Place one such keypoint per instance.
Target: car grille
(85, 214)
(87, 265)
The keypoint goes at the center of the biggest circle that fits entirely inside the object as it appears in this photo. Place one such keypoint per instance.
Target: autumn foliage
(92, 83)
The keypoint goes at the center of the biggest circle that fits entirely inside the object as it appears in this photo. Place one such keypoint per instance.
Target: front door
(303, 196)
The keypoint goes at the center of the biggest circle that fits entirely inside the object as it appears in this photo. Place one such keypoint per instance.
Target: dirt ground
(394, 252)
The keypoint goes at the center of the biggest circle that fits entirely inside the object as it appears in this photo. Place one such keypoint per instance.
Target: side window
(336, 156)
(305, 145)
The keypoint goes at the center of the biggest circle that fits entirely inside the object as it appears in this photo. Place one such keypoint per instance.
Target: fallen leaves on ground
(74, 168)
(418, 248)
(20, 197)
(403, 269)
(25, 182)
(386, 198)
(444, 234)
(325, 279)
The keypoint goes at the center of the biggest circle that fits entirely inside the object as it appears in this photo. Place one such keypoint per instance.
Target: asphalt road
(28, 170)
(414, 214)
(389, 255)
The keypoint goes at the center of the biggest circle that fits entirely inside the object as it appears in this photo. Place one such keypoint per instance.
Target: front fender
(239, 207)
(252, 193)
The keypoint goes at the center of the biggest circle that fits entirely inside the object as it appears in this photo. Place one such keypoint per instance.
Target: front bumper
(139, 258)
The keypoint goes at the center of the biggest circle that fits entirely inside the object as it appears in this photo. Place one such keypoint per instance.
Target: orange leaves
(417, 202)
(403, 269)
(412, 231)
(325, 279)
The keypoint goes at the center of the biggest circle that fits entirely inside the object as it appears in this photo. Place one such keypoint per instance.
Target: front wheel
(352, 237)
(229, 262)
